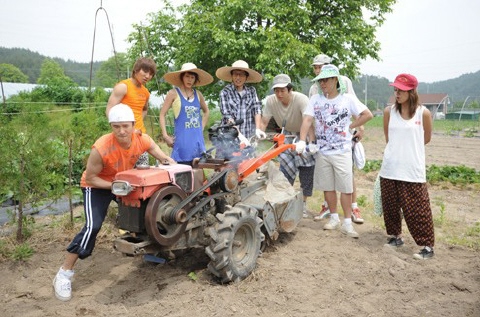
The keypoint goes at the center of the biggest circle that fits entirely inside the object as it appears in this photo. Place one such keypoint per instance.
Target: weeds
(22, 252)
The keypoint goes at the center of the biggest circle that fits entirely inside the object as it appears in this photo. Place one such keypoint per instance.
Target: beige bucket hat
(224, 73)
(173, 78)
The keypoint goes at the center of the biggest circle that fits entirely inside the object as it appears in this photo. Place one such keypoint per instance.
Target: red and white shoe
(356, 217)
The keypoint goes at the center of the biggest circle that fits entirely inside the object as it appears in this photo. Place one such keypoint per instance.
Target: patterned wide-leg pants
(411, 200)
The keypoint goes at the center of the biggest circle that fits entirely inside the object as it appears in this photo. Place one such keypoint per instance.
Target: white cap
(321, 59)
(121, 113)
(281, 81)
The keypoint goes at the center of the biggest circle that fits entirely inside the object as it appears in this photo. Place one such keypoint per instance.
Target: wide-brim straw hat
(225, 73)
(173, 78)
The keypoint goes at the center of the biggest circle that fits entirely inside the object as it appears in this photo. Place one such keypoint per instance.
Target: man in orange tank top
(112, 153)
(133, 93)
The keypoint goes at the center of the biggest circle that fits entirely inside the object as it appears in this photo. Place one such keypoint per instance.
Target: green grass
(450, 127)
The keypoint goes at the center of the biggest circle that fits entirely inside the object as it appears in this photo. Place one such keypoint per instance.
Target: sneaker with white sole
(62, 285)
(356, 217)
(332, 224)
(348, 230)
(424, 254)
(395, 242)
(323, 214)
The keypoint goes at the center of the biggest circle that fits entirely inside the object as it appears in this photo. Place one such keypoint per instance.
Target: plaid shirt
(234, 106)
(290, 160)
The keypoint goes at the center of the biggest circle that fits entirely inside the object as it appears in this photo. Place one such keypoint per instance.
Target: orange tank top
(115, 158)
(136, 98)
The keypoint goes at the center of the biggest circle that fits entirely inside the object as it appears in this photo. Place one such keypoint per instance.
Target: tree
(113, 70)
(31, 162)
(272, 36)
(57, 86)
(12, 74)
(51, 71)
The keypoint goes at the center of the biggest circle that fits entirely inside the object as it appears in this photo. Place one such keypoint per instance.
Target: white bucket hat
(121, 113)
(225, 73)
(173, 78)
(321, 59)
(281, 81)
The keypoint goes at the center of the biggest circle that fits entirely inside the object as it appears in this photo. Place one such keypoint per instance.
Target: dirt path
(310, 272)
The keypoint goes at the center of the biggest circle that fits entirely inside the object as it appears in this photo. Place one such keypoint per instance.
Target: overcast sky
(433, 39)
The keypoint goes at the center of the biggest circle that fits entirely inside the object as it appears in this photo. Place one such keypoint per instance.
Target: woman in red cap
(408, 127)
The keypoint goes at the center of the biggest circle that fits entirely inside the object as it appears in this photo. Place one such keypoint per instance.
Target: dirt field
(310, 272)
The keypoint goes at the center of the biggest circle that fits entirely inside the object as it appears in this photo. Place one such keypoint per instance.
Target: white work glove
(300, 146)
(243, 139)
(260, 134)
(312, 148)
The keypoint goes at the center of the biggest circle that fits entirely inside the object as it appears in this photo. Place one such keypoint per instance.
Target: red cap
(405, 82)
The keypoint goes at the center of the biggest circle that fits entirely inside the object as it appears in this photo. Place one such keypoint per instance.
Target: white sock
(354, 205)
(66, 273)
(347, 221)
(334, 216)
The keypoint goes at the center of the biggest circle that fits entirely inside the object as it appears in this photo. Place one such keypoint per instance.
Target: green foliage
(441, 219)
(193, 276)
(22, 252)
(362, 200)
(263, 34)
(113, 70)
(30, 64)
(457, 175)
(372, 166)
(50, 70)
(31, 167)
(12, 74)
(4, 250)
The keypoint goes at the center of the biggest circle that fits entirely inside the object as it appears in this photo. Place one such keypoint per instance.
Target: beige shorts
(334, 172)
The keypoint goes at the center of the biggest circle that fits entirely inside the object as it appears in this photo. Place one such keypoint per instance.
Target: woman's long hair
(413, 103)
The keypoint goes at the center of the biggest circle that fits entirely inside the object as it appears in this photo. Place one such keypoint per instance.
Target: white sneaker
(332, 224)
(348, 230)
(62, 284)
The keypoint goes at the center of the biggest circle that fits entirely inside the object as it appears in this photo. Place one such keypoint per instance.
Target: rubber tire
(235, 244)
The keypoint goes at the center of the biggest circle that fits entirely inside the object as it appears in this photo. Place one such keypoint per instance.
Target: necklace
(187, 95)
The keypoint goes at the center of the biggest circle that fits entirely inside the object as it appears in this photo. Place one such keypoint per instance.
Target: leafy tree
(31, 162)
(113, 70)
(57, 86)
(272, 36)
(51, 71)
(12, 74)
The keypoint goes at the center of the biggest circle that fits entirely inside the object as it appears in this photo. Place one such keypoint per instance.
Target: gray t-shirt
(292, 113)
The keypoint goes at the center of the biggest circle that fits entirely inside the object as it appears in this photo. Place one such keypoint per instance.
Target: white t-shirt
(332, 119)
(404, 155)
(292, 113)
(315, 89)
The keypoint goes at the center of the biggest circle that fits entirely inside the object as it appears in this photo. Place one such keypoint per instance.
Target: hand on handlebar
(300, 146)
(243, 139)
(260, 134)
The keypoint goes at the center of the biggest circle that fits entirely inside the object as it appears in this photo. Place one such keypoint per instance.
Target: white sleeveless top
(404, 155)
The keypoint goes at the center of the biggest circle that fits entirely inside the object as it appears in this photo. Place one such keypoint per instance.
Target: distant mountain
(378, 90)
(458, 89)
(30, 64)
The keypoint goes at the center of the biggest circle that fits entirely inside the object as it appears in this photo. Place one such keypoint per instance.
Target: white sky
(432, 39)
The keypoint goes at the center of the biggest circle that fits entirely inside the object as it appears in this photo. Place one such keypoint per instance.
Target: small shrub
(22, 252)
(362, 201)
(372, 166)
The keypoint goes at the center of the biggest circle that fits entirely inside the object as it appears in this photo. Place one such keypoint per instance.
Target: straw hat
(224, 73)
(173, 78)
